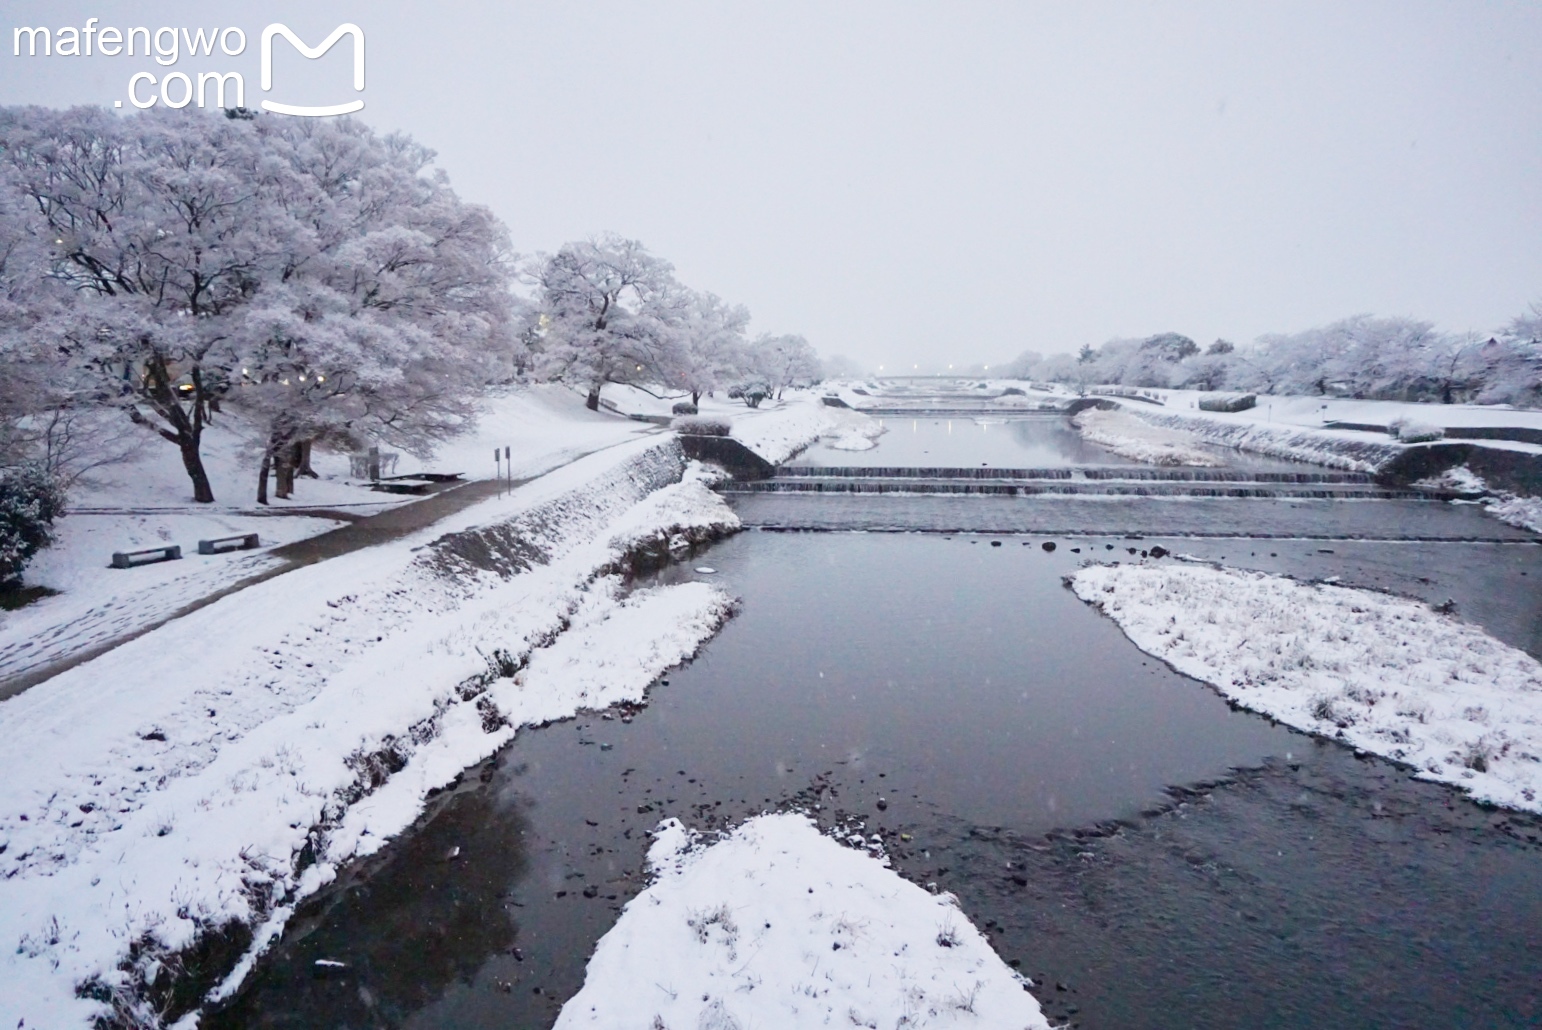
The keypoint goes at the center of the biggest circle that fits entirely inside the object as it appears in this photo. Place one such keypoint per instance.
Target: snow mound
(780, 926)
(852, 431)
(1460, 479)
(1386, 674)
(1525, 512)
(1125, 434)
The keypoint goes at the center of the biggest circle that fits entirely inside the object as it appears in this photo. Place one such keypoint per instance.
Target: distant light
(321, 379)
(245, 372)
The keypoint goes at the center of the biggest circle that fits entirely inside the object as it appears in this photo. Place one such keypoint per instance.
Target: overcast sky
(955, 181)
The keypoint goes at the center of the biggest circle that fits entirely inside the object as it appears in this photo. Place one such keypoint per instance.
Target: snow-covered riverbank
(1386, 674)
(779, 926)
(201, 779)
(1126, 435)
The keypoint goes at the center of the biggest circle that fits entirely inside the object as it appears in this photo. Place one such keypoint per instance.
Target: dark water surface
(1003, 441)
(1028, 749)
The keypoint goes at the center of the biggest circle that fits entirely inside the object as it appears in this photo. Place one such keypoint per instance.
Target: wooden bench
(220, 545)
(403, 485)
(148, 556)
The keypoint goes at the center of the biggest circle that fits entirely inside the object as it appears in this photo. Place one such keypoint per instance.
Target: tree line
(313, 282)
(1399, 359)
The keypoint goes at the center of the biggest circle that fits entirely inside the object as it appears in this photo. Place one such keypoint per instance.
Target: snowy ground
(777, 433)
(146, 503)
(780, 926)
(216, 770)
(1382, 673)
(1124, 434)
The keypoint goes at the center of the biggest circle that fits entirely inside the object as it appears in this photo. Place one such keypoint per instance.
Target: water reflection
(409, 927)
(1021, 441)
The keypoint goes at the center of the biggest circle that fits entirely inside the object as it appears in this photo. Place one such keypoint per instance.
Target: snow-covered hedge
(1227, 402)
(701, 425)
(1383, 673)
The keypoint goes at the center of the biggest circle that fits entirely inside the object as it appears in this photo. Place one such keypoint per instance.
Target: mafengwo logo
(167, 45)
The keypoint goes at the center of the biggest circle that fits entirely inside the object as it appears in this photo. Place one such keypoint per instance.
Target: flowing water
(1149, 855)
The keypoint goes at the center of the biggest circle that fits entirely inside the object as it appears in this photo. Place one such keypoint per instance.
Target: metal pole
(499, 469)
(508, 466)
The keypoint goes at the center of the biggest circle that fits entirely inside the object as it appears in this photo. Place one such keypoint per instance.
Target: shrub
(1013, 391)
(683, 408)
(30, 500)
(692, 425)
(1408, 431)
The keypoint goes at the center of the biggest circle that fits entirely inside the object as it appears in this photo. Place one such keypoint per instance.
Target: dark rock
(1048, 545)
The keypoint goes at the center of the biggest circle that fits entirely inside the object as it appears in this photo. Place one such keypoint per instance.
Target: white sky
(955, 181)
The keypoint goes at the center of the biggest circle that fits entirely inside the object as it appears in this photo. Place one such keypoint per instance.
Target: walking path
(367, 531)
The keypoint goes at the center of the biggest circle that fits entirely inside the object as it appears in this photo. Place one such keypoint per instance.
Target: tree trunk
(203, 493)
(262, 477)
(592, 402)
(304, 462)
(695, 397)
(283, 474)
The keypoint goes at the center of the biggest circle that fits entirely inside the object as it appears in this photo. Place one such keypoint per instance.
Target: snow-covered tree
(159, 228)
(783, 361)
(212, 261)
(600, 303)
(392, 312)
(698, 344)
(1509, 365)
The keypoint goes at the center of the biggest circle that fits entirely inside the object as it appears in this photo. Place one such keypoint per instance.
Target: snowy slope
(780, 926)
(214, 771)
(1382, 673)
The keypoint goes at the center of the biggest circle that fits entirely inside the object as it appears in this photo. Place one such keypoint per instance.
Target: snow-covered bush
(683, 408)
(1409, 431)
(693, 425)
(30, 500)
(753, 393)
